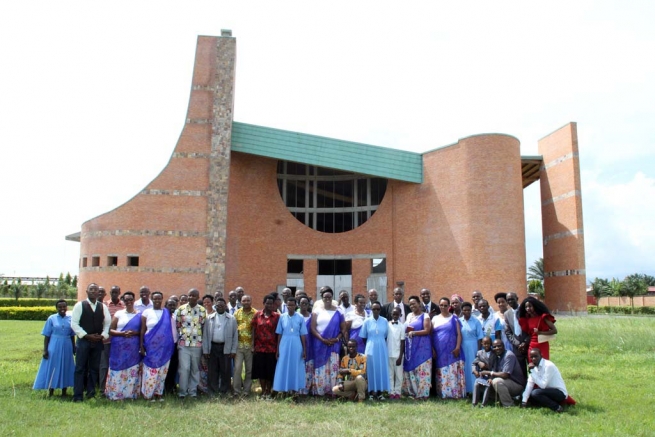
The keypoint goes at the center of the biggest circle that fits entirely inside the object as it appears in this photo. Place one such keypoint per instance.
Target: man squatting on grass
(91, 317)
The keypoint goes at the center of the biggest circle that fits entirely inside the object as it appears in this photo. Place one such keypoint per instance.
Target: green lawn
(608, 364)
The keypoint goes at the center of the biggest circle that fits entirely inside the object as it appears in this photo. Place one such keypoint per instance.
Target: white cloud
(618, 216)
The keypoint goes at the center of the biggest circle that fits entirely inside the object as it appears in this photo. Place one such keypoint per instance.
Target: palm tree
(599, 288)
(536, 271)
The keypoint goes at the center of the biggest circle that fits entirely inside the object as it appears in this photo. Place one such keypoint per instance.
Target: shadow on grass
(583, 408)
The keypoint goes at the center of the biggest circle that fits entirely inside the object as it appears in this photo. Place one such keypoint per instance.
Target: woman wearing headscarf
(456, 302)
(447, 343)
(57, 369)
(328, 328)
(417, 365)
(157, 347)
(124, 376)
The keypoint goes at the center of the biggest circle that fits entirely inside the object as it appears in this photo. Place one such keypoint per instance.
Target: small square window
(294, 266)
(379, 265)
(95, 261)
(112, 261)
(133, 261)
(84, 261)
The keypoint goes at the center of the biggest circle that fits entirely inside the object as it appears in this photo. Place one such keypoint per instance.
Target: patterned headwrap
(458, 297)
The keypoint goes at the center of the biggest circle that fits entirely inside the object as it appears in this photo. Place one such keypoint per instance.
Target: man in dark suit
(396, 303)
(515, 335)
(428, 306)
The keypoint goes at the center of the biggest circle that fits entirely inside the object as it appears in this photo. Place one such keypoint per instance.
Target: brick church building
(263, 208)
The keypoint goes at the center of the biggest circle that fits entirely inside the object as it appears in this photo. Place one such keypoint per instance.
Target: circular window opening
(329, 200)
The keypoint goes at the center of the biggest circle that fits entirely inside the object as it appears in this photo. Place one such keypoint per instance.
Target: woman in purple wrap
(328, 328)
(355, 320)
(156, 348)
(417, 365)
(124, 376)
(447, 343)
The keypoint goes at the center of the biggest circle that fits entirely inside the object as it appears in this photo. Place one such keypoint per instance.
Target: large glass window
(328, 200)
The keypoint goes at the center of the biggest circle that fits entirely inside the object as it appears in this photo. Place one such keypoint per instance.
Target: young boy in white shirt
(396, 347)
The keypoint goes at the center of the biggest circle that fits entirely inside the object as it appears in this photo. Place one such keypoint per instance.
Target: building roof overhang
(327, 152)
(530, 168)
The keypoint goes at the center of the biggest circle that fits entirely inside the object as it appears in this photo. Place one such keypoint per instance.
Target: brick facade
(461, 229)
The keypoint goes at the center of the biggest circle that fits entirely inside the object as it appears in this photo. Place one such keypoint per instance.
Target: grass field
(608, 364)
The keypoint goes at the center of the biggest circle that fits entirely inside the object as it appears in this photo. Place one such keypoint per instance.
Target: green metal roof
(327, 152)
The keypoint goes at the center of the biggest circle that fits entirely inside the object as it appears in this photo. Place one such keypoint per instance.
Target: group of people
(450, 349)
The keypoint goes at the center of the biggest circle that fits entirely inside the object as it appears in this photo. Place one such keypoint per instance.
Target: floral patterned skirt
(153, 380)
(325, 377)
(416, 383)
(309, 378)
(451, 382)
(123, 384)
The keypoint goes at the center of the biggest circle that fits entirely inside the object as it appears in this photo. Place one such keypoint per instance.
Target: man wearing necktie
(232, 304)
(428, 306)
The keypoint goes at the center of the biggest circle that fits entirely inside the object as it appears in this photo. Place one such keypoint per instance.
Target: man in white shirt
(90, 322)
(397, 302)
(144, 303)
(396, 348)
(232, 306)
(345, 307)
(551, 391)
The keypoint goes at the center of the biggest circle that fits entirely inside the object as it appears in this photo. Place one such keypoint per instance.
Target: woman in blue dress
(471, 338)
(291, 332)
(57, 369)
(374, 332)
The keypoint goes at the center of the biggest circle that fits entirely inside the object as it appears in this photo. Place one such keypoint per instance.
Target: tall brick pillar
(221, 87)
(561, 211)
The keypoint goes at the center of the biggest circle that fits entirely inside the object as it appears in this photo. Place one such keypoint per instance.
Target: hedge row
(592, 309)
(23, 313)
(31, 302)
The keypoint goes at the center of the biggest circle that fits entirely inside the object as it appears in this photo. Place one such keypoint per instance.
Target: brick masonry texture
(460, 230)
(563, 231)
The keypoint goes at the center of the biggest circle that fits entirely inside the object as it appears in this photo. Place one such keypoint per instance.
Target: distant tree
(535, 286)
(536, 271)
(68, 279)
(616, 287)
(599, 288)
(16, 288)
(74, 282)
(650, 280)
(634, 285)
(40, 290)
(4, 288)
(62, 288)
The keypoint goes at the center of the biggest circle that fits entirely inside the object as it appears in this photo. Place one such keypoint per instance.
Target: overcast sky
(93, 97)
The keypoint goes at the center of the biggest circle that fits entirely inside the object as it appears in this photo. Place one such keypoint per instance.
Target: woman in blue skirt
(374, 332)
(57, 369)
(291, 332)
